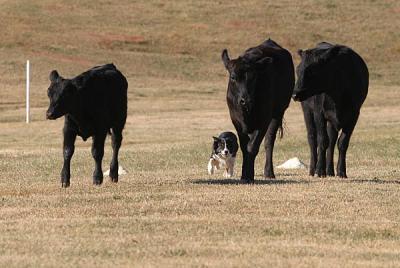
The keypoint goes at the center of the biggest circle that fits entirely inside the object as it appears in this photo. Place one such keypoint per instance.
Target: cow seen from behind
(260, 86)
(332, 85)
(93, 103)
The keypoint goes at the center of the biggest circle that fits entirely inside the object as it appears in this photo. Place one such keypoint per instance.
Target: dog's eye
(233, 77)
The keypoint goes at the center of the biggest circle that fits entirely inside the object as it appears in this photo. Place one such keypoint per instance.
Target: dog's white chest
(221, 161)
(217, 162)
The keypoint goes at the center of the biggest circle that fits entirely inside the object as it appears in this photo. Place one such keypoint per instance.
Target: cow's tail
(282, 126)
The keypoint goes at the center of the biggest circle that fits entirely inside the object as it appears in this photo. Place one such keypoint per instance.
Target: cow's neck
(77, 113)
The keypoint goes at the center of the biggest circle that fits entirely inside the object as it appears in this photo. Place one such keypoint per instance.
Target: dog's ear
(215, 138)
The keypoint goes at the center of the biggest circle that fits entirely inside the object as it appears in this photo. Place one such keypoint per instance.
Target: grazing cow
(260, 85)
(94, 103)
(332, 85)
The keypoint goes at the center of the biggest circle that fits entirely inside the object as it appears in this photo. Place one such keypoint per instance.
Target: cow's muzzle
(50, 115)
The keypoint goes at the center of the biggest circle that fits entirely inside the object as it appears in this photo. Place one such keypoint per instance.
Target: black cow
(260, 85)
(332, 85)
(94, 103)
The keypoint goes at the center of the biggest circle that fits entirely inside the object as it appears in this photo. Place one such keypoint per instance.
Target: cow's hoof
(343, 176)
(114, 179)
(97, 182)
(113, 174)
(321, 173)
(247, 181)
(269, 175)
(330, 172)
(65, 184)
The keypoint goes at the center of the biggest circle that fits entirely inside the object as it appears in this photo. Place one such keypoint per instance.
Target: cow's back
(351, 75)
(357, 76)
(348, 86)
(103, 94)
(283, 78)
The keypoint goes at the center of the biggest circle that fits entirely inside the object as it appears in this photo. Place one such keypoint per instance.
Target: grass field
(167, 211)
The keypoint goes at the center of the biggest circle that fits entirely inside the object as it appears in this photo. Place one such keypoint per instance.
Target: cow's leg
(68, 151)
(312, 139)
(343, 144)
(333, 135)
(116, 139)
(250, 144)
(98, 153)
(269, 142)
(323, 140)
(246, 170)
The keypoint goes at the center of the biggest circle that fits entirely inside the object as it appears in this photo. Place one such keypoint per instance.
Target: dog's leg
(229, 167)
(211, 166)
(226, 173)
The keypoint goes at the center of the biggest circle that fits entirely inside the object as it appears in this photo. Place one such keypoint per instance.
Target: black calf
(93, 103)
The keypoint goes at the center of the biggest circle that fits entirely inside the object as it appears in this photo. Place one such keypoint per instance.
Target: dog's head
(225, 146)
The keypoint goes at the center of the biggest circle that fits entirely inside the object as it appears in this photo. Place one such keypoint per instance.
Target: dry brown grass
(167, 211)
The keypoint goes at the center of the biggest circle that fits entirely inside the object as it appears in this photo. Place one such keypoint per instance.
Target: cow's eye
(233, 77)
(50, 93)
(249, 76)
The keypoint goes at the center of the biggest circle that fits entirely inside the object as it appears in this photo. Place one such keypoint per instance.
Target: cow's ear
(225, 58)
(300, 52)
(263, 63)
(332, 52)
(54, 76)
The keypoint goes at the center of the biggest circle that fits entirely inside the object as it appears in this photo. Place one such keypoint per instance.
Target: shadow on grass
(256, 182)
(374, 180)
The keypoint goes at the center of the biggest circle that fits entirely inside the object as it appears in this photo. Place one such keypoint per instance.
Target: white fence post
(27, 93)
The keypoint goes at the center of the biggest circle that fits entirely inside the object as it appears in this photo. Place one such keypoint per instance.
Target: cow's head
(315, 73)
(243, 77)
(61, 94)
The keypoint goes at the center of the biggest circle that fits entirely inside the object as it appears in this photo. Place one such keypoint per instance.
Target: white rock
(292, 163)
(121, 171)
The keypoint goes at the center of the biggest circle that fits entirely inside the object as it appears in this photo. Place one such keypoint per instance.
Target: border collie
(223, 154)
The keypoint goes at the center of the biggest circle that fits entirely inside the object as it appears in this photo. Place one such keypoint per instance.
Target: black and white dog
(223, 154)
